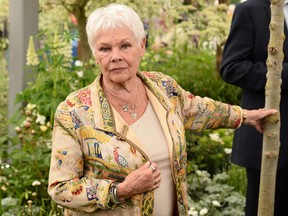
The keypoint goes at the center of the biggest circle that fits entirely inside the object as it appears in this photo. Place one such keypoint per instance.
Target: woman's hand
(256, 118)
(146, 178)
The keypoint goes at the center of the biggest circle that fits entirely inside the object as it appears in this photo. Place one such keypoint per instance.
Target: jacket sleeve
(200, 113)
(205, 113)
(237, 67)
(68, 186)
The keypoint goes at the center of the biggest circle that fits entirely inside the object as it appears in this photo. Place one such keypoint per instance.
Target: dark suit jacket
(244, 65)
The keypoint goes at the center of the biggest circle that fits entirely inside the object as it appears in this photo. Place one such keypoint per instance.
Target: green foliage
(237, 178)
(210, 150)
(52, 15)
(3, 77)
(56, 75)
(3, 99)
(27, 159)
(235, 1)
(24, 175)
(194, 70)
(211, 196)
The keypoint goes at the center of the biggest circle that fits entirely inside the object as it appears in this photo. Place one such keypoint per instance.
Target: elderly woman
(119, 144)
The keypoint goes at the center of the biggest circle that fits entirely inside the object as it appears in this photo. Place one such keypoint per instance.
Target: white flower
(203, 211)
(216, 137)
(216, 203)
(227, 150)
(30, 106)
(3, 188)
(43, 128)
(31, 55)
(198, 172)
(9, 201)
(80, 73)
(35, 183)
(40, 119)
(49, 144)
(48, 124)
(78, 63)
(192, 212)
(17, 129)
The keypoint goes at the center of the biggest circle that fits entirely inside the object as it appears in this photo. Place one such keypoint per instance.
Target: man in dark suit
(244, 65)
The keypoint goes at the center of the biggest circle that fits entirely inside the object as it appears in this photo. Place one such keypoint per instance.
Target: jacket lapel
(102, 112)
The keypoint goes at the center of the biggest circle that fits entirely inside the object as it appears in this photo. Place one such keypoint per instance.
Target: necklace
(126, 106)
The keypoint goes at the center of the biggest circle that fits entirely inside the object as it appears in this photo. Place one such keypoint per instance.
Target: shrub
(56, 72)
(195, 70)
(211, 196)
(210, 150)
(24, 176)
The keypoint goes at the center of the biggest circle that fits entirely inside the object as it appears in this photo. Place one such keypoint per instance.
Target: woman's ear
(143, 46)
(143, 43)
(96, 60)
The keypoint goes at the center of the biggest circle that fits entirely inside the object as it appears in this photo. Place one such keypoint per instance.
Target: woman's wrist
(244, 116)
(113, 193)
(121, 191)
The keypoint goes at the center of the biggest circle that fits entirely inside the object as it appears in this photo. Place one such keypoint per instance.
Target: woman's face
(118, 54)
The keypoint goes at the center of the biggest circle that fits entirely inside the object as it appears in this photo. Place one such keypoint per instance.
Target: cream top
(150, 133)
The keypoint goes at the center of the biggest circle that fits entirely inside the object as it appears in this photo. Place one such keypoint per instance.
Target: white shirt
(286, 12)
(149, 131)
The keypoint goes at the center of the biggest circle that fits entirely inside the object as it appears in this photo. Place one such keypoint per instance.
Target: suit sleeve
(237, 68)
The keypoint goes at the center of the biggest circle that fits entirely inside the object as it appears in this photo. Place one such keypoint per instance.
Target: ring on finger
(152, 168)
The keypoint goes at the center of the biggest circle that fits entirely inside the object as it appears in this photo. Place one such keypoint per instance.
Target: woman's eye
(126, 45)
(104, 49)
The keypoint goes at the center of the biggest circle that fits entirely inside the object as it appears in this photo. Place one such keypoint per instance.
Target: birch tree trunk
(271, 139)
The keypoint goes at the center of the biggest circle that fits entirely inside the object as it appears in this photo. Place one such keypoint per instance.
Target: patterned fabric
(89, 151)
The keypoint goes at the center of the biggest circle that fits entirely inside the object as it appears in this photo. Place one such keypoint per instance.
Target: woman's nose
(116, 56)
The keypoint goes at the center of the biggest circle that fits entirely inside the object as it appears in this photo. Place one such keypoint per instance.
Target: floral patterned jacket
(90, 150)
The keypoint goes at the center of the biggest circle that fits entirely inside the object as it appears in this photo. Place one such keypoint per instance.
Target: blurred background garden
(185, 40)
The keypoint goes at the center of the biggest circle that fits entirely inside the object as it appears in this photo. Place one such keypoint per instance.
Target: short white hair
(111, 17)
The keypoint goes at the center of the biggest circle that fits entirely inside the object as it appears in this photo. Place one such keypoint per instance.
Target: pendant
(134, 115)
(125, 107)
